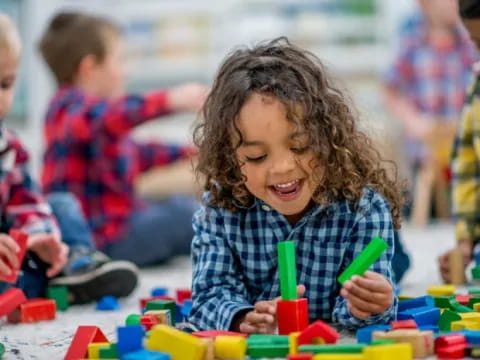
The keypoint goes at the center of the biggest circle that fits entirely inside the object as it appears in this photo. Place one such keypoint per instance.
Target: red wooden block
(463, 299)
(148, 321)
(451, 352)
(403, 324)
(215, 333)
(292, 315)
(34, 310)
(10, 300)
(183, 294)
(79, 346)
(302, 356)
(318, 329)
(450, 340)
(21, 239)
(144, 301)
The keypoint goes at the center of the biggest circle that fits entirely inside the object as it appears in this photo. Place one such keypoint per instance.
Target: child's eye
(255, 159)
(5, 85)
(299, 150)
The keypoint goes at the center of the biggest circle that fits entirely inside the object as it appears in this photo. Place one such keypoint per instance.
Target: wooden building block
(230, 347)
(441, 290)
(421, 341)
(10, 300)
(83, 336)
(389, 352)
(34, 310)
(292, 315)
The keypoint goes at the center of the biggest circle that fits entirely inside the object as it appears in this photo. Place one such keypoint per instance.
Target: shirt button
(266, 207)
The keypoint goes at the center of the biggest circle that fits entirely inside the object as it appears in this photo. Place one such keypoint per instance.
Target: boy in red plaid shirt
(60, 248)
(90, 150)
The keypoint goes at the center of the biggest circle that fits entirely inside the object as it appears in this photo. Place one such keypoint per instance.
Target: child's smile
(275, 156)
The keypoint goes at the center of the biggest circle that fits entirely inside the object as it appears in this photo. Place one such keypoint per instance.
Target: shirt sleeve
(217, 290)
(466, 175)
(153, 154)
(372, 222)
(118, 117)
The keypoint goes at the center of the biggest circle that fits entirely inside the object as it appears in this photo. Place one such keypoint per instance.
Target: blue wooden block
(425, 315)
(364, 335)
(160, 291)
(178, 314)
(107, 303)
(433, 328)
(421, 301)
(186, 308)
(130, 338)
(472, 336)
(146, 355)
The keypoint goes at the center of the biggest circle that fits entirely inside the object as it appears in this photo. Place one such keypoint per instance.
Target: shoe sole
(117, 278)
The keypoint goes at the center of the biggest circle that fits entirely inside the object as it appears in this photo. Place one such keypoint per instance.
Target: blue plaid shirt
(235, 257)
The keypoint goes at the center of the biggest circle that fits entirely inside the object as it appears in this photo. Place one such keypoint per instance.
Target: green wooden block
(60, 295)
(459, 308)
(446, 319)
(163, 305)
(473, 300)
(2, 350)
(332, 349)
(288, 270)
(382, 342)
(364, 260)
(267, 339)
(133, 319)
(267, 350)
(108, 352)
(443, 302)
(476, 272)
(474, 290)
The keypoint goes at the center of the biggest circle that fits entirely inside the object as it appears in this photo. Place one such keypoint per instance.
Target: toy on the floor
(107, 303)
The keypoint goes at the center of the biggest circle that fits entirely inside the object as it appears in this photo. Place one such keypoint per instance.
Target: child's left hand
(50, 249)
(367, 295)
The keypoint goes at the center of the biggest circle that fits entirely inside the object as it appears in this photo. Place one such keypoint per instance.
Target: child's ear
(86, 66)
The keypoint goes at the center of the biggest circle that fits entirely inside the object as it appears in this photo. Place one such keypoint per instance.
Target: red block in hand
(79, 346)
(34, 310)
(10, 300)
(403, 324)
(21, 239)
(183, 294)
(292, 315)
(318, 329)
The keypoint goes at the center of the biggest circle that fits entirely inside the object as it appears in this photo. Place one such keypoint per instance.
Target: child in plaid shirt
(90, 150)
(60, 248)
(283, 159)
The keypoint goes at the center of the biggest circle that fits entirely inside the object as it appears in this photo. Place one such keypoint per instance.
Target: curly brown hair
(294, 77)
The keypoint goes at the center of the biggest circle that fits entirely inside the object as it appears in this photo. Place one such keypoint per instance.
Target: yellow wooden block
(178, 344)
(476, 307)
(421, 341)
(405, 297)
(339, 357)
(465, 324)
(473, 316)
(441, 290)
(163, 316)
(210, 351)
(293, 343)
(94, 349)
(230, 347)
(389, 352)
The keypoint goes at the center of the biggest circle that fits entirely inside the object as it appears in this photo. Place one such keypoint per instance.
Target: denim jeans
(401, 260)
(158, 232)
(75, 232)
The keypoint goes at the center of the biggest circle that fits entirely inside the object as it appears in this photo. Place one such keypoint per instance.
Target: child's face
(441, 12)
(8, 75)
(276, 157)
(107, 78)
(473, 27)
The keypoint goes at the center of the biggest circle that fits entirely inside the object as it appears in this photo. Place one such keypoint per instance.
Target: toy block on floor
(230, 347)
(215, 333)
(476, 272)
(129, 339)
(146, 355)
(83, 336)
(109, 352)
(292, 315)
(267, 346)
(332, 348)
(423, 316)
(463, 299)
(416, 302)
(389, 352)
(34, 310)
(364, 260)
(148, 321)
(293, 343)
(457, 307)
(364, 335)
(163, 316)
(143, 301)
(60, 295)
(421, 341)
(288, 270)
(441, 290)
(465, 324)
(107, 303)
(163, 304)
(2, 350)
(446, 319)
(178, 344)
(210, 348)
(183, 294)
(339, 357)
(403, 324)
(472, 337)
(21, 239)
(10, 300)
(304, 356)
(186, 308)
(94, 349)
(159, 291)
(318, 329)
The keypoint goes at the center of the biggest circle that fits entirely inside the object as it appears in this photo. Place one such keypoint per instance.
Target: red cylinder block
(292, 315)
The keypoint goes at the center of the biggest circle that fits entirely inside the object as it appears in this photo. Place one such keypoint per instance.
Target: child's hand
(368, 294)
(444, 264)
(50, 249)
(263, 319)
(8, 255)
(188, 97)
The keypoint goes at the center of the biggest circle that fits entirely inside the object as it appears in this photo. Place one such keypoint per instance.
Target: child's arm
(153, 154)
(372, 220)
(218, 292)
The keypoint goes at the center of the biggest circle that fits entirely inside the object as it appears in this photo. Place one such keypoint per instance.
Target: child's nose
(283, 164)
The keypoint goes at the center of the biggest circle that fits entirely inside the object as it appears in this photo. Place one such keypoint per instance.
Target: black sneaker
(89, 276)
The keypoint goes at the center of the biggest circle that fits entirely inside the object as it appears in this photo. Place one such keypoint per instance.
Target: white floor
(49, 340)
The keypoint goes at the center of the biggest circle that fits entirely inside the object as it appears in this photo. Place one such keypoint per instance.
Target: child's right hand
(8, 254)
(466, 248)
(188, 97)
(263, 318)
